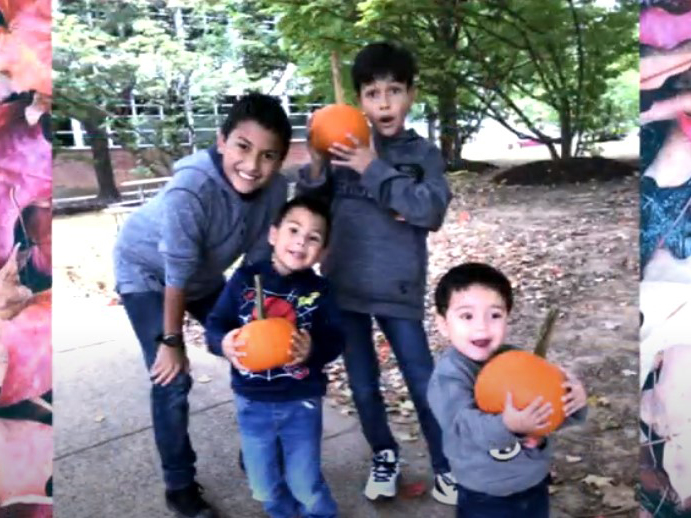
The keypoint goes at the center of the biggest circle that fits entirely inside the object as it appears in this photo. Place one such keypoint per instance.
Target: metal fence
(147, 118)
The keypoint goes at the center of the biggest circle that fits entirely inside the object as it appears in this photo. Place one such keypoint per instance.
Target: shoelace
(382, 470)
(447, 480)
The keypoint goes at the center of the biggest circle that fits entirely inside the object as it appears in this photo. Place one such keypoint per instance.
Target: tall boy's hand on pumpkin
(301, 346)
(529, 420)
(356, 157)
(231, 346)
(317, 158)
(576, 397)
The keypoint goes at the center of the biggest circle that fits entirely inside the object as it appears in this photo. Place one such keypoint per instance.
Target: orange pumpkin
(526, 376)
(267, 343)
(333, 122)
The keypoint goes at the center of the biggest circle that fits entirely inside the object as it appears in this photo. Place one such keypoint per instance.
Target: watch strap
(171, 339)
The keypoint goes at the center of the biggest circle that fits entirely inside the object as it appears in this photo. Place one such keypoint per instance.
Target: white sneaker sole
(376, 494)
(443, 498)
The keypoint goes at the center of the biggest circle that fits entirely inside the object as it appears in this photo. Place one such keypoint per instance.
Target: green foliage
(523, 62)
(107, 52)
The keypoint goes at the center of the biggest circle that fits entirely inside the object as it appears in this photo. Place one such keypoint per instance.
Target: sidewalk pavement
(106, 465)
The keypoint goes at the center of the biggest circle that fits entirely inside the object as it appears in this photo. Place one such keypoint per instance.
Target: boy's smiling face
(251, 155)
(476, 321)
(386, 103)
(298, 240)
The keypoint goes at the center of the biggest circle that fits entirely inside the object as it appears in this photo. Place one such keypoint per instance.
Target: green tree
(560, 54)
(106, 53)
(481, 58)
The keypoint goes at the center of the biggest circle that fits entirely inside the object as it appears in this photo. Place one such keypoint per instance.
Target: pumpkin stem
(259, 297)
(545, 333)
(336, 76)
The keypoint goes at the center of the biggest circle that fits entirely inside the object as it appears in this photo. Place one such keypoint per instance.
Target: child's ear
(442, 327)
(220, 141)
(273, 232)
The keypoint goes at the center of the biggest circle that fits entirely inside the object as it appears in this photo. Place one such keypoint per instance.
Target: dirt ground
(573, 247)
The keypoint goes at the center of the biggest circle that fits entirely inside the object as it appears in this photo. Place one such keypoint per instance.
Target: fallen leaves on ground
(567, 247)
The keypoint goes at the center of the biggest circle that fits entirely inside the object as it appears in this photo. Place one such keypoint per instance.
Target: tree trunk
(552, 151)
(107, 190)
(431, 124)
(566, 132)
(566, 145)
(449, 124)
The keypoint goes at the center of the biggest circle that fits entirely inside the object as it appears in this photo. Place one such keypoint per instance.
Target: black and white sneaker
(188, 502)
(445, 490)
(383, 477)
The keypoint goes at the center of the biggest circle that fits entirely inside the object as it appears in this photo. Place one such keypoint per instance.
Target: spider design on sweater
(292, 305)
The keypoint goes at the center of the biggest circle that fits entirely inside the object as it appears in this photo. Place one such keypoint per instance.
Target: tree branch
(581, 72)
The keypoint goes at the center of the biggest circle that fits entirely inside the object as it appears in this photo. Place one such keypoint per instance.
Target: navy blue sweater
(302, 297)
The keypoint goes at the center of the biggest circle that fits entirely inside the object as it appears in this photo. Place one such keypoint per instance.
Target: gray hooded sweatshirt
(194, 229)
(378, 265)
(484, 455)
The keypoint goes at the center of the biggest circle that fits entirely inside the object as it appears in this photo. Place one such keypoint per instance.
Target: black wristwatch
(171, 340)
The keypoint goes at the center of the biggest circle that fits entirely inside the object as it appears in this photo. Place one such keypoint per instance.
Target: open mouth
(386, 120)
(297, 255)
(482, 343)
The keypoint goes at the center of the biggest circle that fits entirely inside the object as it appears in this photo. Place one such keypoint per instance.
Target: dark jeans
(533, 503)
(169, 405)
(298, 488)
(409, 344)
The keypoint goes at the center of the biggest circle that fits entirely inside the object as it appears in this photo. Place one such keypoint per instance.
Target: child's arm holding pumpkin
(313, 178)
(452, 400)
(421, 202)
(224, 316)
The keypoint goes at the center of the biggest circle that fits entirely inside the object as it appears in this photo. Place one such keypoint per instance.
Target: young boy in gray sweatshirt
(386, 196)
(171, 254)
(502, 472)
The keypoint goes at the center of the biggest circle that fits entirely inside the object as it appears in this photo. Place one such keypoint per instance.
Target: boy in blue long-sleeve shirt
(279, 411)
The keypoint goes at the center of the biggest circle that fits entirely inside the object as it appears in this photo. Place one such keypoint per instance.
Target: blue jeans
(409, 344)
(297, 426)
(533, 503)
(169, 405)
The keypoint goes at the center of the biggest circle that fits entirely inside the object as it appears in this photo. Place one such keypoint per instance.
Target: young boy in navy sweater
(279, 411)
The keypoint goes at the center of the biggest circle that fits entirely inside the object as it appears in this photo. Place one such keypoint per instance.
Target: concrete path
(105, 460)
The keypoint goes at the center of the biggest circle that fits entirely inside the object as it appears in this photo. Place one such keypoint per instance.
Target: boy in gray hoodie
(171, 254)
(386, 196)
(502, 471)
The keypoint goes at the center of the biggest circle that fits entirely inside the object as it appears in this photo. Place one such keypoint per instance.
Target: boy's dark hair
(381, 60)
(465, 275)
(311, 203)
(263, 109)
